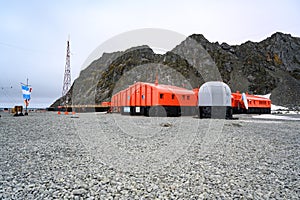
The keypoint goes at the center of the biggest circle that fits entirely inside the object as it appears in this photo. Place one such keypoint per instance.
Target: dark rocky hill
(269, 66)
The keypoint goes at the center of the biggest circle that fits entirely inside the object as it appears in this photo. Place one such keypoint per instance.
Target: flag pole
(26, 100)
(26, 113)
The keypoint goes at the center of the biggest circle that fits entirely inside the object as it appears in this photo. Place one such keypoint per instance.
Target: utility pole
(67, 78)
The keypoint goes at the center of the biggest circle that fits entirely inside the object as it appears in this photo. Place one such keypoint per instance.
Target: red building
(151, 99)
(256, 104)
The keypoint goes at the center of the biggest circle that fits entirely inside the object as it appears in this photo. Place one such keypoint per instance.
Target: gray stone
(80, 191)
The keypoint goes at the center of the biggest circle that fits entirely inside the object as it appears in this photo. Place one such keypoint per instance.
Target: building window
(161, 96)
(262, 102)
(183, 97)
(188, 97)
(173, 96)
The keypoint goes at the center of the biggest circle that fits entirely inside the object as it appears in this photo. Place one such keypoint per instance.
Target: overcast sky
(33, 34)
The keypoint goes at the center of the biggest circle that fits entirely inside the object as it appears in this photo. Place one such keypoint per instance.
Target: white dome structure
(214, 100)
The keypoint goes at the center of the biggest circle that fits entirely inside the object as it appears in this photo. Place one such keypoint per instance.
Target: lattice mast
(67, 77)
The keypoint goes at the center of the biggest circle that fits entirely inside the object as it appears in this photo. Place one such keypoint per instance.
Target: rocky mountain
(270, 66)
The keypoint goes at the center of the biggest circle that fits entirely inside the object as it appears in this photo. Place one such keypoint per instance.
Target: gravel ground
(109, 156)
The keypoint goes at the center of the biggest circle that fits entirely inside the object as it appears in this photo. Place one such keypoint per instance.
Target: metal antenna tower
(67, 76)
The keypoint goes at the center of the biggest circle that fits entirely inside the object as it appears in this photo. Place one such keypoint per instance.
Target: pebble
(80, 191)
(57, 158)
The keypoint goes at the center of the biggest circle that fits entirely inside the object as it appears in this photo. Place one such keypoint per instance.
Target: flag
(26, 92)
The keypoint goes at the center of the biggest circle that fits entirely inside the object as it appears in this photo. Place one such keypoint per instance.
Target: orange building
(152, 99)
(256, 104)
